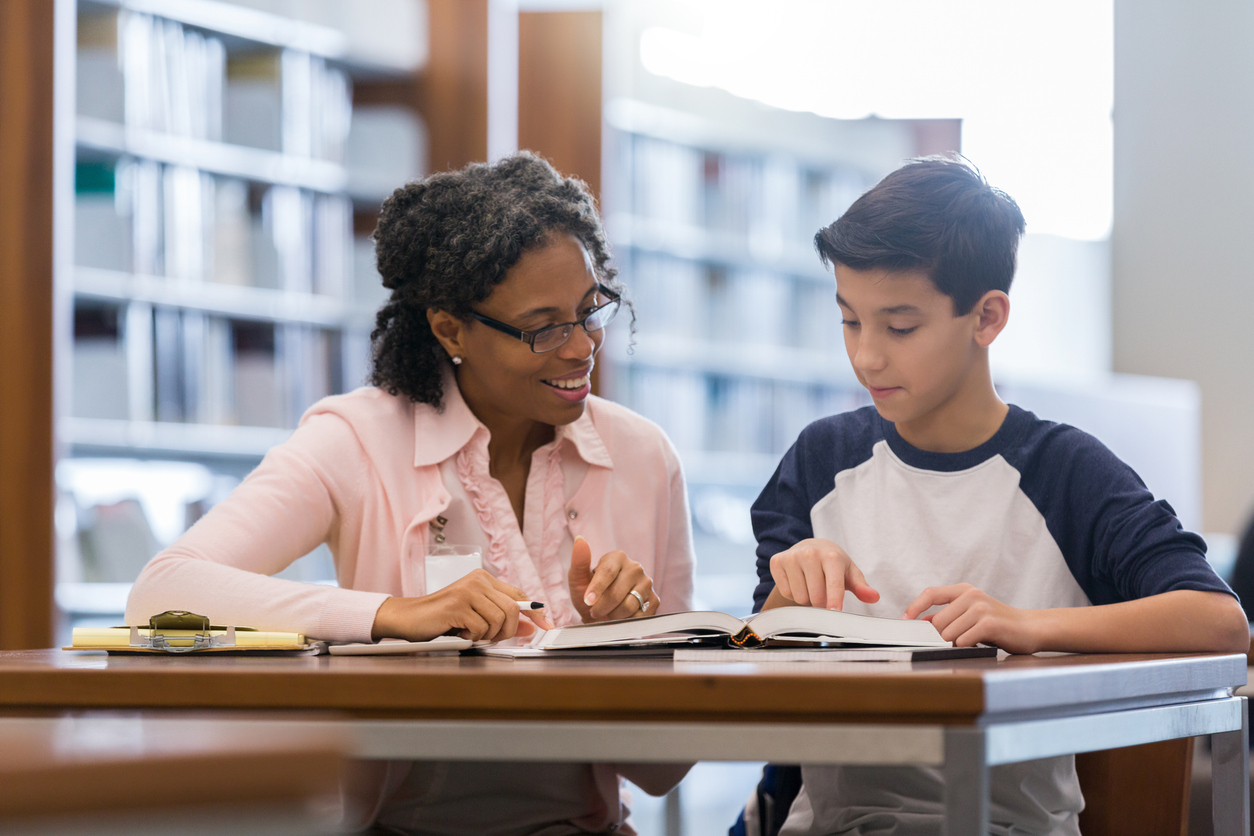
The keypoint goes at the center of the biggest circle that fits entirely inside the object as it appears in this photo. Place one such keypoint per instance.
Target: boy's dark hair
(938, 215)
(446, 242)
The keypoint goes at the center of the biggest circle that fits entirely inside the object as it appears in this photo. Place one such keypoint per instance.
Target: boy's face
(904, 342)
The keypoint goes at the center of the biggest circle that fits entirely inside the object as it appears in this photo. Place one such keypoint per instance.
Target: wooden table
(964, 716)
(135, 776)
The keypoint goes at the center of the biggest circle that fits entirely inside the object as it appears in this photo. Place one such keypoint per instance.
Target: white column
(502, 78)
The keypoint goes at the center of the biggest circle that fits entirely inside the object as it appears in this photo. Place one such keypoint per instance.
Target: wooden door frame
(28, 39)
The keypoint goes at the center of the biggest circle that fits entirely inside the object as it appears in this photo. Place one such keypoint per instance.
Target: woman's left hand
(606, 594)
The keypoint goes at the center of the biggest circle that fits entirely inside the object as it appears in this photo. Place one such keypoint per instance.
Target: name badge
(448, 563)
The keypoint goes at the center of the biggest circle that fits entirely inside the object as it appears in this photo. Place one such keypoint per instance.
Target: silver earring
(457, 359)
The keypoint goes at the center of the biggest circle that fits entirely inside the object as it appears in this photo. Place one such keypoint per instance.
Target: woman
(479, 431)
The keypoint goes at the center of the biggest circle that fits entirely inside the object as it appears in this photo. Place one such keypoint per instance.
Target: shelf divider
(255, 164)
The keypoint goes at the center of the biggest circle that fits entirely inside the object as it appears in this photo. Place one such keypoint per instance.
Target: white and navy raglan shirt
(1041, 515)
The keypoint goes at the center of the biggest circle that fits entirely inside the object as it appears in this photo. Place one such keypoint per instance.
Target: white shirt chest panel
(908, 529)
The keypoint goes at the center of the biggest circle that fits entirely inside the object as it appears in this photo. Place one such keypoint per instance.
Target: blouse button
(572, 513)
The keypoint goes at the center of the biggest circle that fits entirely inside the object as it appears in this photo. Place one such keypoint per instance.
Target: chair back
(1138, 790)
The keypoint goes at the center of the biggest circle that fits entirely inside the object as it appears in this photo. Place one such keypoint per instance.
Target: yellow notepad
(119, 638)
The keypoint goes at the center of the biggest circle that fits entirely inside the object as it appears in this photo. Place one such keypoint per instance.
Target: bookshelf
(220, 282)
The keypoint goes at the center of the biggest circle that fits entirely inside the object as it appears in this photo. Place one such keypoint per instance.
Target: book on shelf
(99, 82)
(784, 624)
(172, 77)
(331, 245)
(102, 224)
(140, 366)
(99, 369)
(189, 201)
(257, 392)
(288, 101)
(308, 372)
(167, 364)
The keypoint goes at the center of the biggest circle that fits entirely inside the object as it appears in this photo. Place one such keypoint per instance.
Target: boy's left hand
(971, 616)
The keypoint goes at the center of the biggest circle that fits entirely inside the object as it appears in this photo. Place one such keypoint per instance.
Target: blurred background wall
(1184, 200)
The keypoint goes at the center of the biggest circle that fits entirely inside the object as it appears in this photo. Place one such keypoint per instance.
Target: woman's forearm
(180, 578)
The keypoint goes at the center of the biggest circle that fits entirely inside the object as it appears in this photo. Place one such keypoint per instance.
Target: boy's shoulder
(843, 437)
(1045, 447)
(834, 444)
(1046, 454)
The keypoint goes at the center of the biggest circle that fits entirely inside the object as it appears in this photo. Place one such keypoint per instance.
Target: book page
(639, 629)
(837, 626)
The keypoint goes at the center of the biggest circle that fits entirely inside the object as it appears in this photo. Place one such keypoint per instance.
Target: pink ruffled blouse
(367, 473)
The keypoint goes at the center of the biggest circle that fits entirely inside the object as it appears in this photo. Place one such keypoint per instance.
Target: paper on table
(768, 655)
(397, 647)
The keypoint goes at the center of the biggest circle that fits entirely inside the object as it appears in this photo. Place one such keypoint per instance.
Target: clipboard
(181, 632)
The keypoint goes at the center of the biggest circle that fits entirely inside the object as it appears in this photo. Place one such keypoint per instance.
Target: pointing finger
(858, 585)
(607, 570)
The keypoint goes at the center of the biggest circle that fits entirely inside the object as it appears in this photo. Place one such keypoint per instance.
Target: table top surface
(452, 687)
(130, 762)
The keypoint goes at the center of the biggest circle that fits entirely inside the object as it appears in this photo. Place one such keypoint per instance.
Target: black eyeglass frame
(529, 337)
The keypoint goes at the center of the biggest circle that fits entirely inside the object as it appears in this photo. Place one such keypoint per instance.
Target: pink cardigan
(362, 474)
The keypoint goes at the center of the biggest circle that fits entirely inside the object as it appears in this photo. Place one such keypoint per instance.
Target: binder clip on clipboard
(203, 639)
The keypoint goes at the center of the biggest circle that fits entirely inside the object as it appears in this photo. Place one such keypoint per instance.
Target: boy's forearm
(1179, 621)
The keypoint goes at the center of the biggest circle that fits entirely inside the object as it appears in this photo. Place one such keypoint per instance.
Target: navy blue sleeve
(806, 474)
(781, 518)
(1119, 543)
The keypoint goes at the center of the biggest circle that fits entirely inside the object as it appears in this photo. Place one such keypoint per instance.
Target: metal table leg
(1230, 778)
(966, 782)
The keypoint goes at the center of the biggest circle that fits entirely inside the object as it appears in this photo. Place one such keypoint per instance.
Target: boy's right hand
(817, 573)
(475, 607)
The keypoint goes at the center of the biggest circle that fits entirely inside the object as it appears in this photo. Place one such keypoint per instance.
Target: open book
(781, 625)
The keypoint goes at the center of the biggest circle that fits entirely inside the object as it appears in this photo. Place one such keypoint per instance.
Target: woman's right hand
(476, 607)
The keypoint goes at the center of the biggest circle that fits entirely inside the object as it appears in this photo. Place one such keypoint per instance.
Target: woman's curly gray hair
(446, 242)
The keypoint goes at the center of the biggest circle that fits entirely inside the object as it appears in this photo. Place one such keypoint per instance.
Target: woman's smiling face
(499, 374)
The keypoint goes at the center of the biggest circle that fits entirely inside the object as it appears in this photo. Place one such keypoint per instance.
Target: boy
(944, 503)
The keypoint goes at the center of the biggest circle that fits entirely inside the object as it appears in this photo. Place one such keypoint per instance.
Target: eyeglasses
(555, 336)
